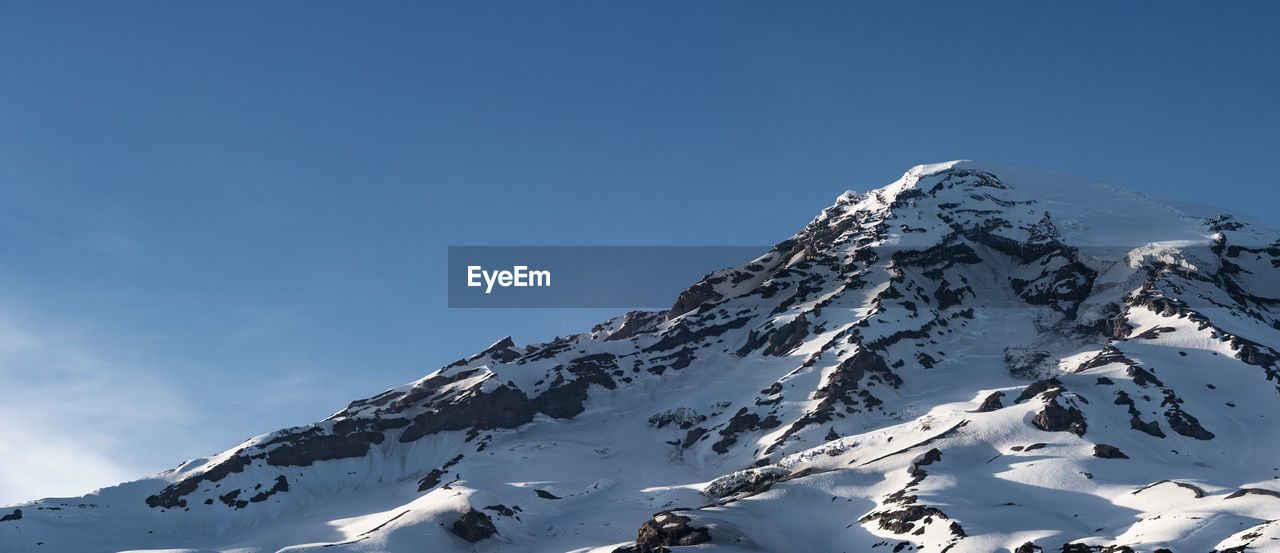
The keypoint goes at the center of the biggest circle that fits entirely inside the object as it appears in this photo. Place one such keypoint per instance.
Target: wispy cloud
(67, 409)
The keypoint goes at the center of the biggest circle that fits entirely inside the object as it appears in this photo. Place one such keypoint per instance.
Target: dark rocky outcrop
(1105, 451)
(633, 323)
(694, 297)
(903, 521)
(15, 515)
(172, 495)
(1107, 356)
(232, 499)
(682, 335)
(992, 403)
(1117, 328)
(691, 437)
(1036, 388)
(504, 407)
(322, 448)
(1062, 289)
(473, 526)
(1181, 421)
(501, 509)
(1253, 491)
(508, 407)
(1199, 493)
(754, 481)
(842, 387)
(778, 341)
(930, 457)
(1143, 377)
(1135, 416)
(281, 485)
(741, 422)
(1056, 418)
(666, 529)
(679, 417)
(433, 478)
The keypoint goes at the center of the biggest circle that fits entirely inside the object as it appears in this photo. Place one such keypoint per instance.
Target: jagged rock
(433, 478)
(1036, 388)
(778, 341)
(992, 403)
(473, 526)
(1199, 493)
(903, 521)
(281, 485)
(680, 417)
(1142, 377)
(682, 335)
(172, 495)
(693, 436)
(501, 509)
(663, 530)
(1056, 418)
(741, 422)
(927, 458)
(752, 481)
(1118, 329)
(633, 323)
(1135, 420)
(1108, 452)
(1254, 491)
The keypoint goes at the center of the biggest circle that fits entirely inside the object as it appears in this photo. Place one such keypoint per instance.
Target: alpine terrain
(974, 358)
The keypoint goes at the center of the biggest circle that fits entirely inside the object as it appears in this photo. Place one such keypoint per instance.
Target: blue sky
(217, 219)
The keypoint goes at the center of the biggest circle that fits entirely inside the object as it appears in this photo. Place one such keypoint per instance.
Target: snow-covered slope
(976, 357)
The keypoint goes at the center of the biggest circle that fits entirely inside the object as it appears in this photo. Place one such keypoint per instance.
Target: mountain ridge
(976, 312)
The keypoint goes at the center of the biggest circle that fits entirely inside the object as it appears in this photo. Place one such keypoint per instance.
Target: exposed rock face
(680, 417)
(1108, 452)
(1135, 421)
(992, 403)
(473, 526)
(778, 341)
(904, 521)
(171, 496)
(432, 479)
(350, 438)
(666, 529)
(1038, 387)
(1255, 491)
(281, 485)
(1056, 418)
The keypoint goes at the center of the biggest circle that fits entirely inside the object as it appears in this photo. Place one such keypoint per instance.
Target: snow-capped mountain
(974, 358)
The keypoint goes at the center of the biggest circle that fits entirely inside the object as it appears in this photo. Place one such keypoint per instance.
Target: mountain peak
(909, 366)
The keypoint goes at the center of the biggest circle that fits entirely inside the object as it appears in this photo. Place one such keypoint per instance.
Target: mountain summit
(974, 358)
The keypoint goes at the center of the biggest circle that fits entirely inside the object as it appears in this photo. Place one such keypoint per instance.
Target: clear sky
(222, 218)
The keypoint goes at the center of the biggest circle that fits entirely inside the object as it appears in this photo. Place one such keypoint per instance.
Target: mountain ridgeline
(974, 358)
